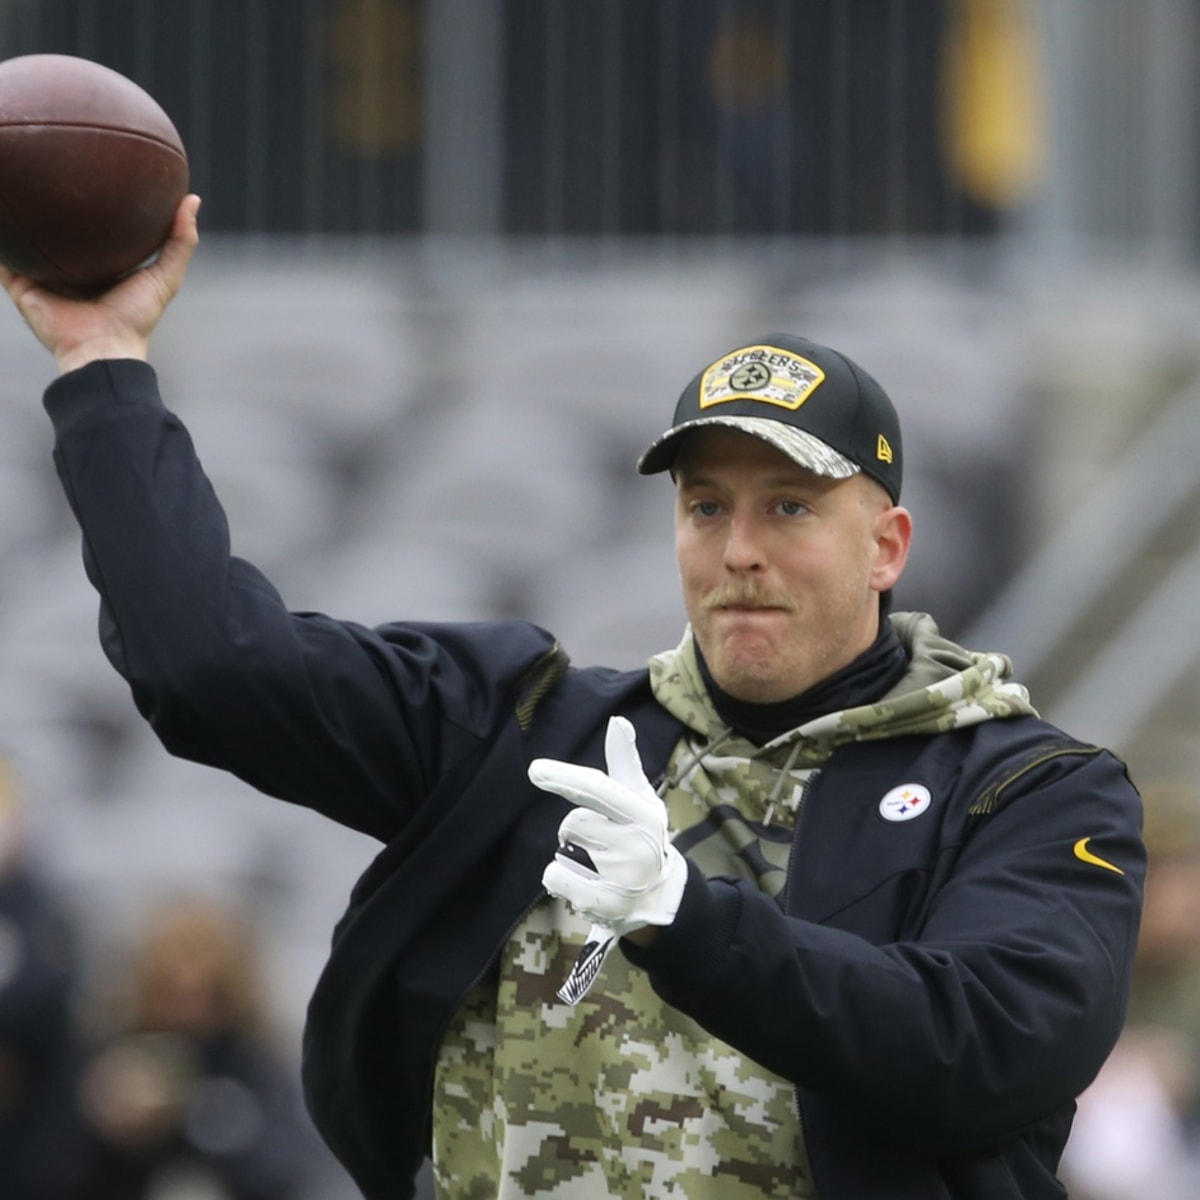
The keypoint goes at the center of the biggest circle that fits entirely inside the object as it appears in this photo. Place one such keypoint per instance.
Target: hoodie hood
(945, 687)
(738, 802)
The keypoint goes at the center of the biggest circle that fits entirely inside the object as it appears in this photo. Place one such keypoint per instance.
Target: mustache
(747, 594)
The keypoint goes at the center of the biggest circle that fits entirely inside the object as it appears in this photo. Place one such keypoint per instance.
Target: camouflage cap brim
(799, 445)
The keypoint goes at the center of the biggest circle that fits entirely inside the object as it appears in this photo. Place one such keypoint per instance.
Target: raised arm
(353, 722)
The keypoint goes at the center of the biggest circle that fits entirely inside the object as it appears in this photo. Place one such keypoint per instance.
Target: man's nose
(743, 547)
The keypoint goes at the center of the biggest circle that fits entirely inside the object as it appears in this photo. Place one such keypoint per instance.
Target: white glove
(615, 863)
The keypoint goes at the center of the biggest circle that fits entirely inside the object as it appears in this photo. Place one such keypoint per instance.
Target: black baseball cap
(810, 402)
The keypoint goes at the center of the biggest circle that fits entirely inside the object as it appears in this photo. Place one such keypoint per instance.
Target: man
(875, 917)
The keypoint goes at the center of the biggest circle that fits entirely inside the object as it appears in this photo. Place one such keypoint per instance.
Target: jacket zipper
(784, 900)
(805, 788)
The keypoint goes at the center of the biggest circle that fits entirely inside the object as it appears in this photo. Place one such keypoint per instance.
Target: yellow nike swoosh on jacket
(1085, 855)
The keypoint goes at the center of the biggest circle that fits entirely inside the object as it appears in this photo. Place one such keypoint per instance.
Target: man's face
(781, 569)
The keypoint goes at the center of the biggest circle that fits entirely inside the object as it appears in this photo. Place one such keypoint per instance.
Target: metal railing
(1144, 652)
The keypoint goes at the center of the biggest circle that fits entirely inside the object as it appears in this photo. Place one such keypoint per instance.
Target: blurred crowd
(681, 117)
(1137, 1132)
(145, 1066)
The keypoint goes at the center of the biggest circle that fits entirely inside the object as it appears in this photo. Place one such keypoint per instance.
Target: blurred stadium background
(458, 260)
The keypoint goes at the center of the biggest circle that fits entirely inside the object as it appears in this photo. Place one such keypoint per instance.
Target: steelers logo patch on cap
(763, 373)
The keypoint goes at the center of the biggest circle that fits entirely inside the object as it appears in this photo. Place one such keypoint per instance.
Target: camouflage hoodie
(733, 805)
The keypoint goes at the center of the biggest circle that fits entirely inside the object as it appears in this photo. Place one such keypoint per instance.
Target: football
(91, 172)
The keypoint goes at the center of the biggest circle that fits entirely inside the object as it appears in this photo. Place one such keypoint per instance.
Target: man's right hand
(119, 322)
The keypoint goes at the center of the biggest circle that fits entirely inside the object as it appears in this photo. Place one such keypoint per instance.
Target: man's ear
(893, 538)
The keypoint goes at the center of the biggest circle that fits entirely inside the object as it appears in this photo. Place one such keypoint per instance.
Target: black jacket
(939, 989)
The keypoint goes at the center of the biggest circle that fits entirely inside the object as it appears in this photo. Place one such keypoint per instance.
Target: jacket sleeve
(356, 723)
(998, 1010)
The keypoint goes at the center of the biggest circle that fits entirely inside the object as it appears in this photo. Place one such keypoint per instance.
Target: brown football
(91, 172)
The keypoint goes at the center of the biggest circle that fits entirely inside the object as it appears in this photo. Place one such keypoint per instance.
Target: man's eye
(792, 508)
(706, 508)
